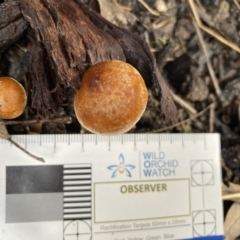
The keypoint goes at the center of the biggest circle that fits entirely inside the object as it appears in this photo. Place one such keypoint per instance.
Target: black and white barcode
(77, 192)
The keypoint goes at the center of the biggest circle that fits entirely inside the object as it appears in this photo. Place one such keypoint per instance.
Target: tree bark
(12, 24)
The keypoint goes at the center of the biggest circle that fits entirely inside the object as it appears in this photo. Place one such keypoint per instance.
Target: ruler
(125, 187)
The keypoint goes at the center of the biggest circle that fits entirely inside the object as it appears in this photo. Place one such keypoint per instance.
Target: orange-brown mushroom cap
(111, 99)
(13, 98)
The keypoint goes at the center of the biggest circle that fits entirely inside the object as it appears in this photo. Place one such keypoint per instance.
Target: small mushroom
(111, 99)
(13, 98)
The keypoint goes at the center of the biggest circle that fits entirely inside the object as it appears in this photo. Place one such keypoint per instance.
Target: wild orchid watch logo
(121, 168)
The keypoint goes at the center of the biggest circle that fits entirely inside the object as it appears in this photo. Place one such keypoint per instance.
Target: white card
(126, 187)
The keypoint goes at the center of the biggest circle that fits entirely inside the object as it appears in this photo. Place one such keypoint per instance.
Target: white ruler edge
(139, 137)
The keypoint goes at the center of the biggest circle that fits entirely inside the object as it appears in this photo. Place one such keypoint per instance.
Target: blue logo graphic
(121, 168)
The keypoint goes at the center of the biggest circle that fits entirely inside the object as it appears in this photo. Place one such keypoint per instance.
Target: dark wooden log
(12, 24)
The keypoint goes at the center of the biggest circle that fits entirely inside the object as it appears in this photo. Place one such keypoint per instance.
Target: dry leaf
(3, 131)
(115, 14)
(161, 6)
(233, 188)
(232, 222)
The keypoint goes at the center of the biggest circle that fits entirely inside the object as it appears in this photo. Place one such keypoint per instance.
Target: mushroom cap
(13, 98)
(111, 99)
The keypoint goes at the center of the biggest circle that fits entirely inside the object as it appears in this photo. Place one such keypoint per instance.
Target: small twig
(221, 68)
(181, 119)
(152, 11)
(210, 31)
(209, 65)
(21, 48)
(231, 196)
(4, 135)
(125, 8)
(212, 114)
(203, 15)
(184, 49)
(237, 4)
(200, 6)
(66, 120)
(146, 35)
(183, 103)
(211, 118)
(24, 150)
(163, 23)
(184, 121)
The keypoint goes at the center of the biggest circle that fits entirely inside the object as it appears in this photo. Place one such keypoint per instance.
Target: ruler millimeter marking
(83, 139)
